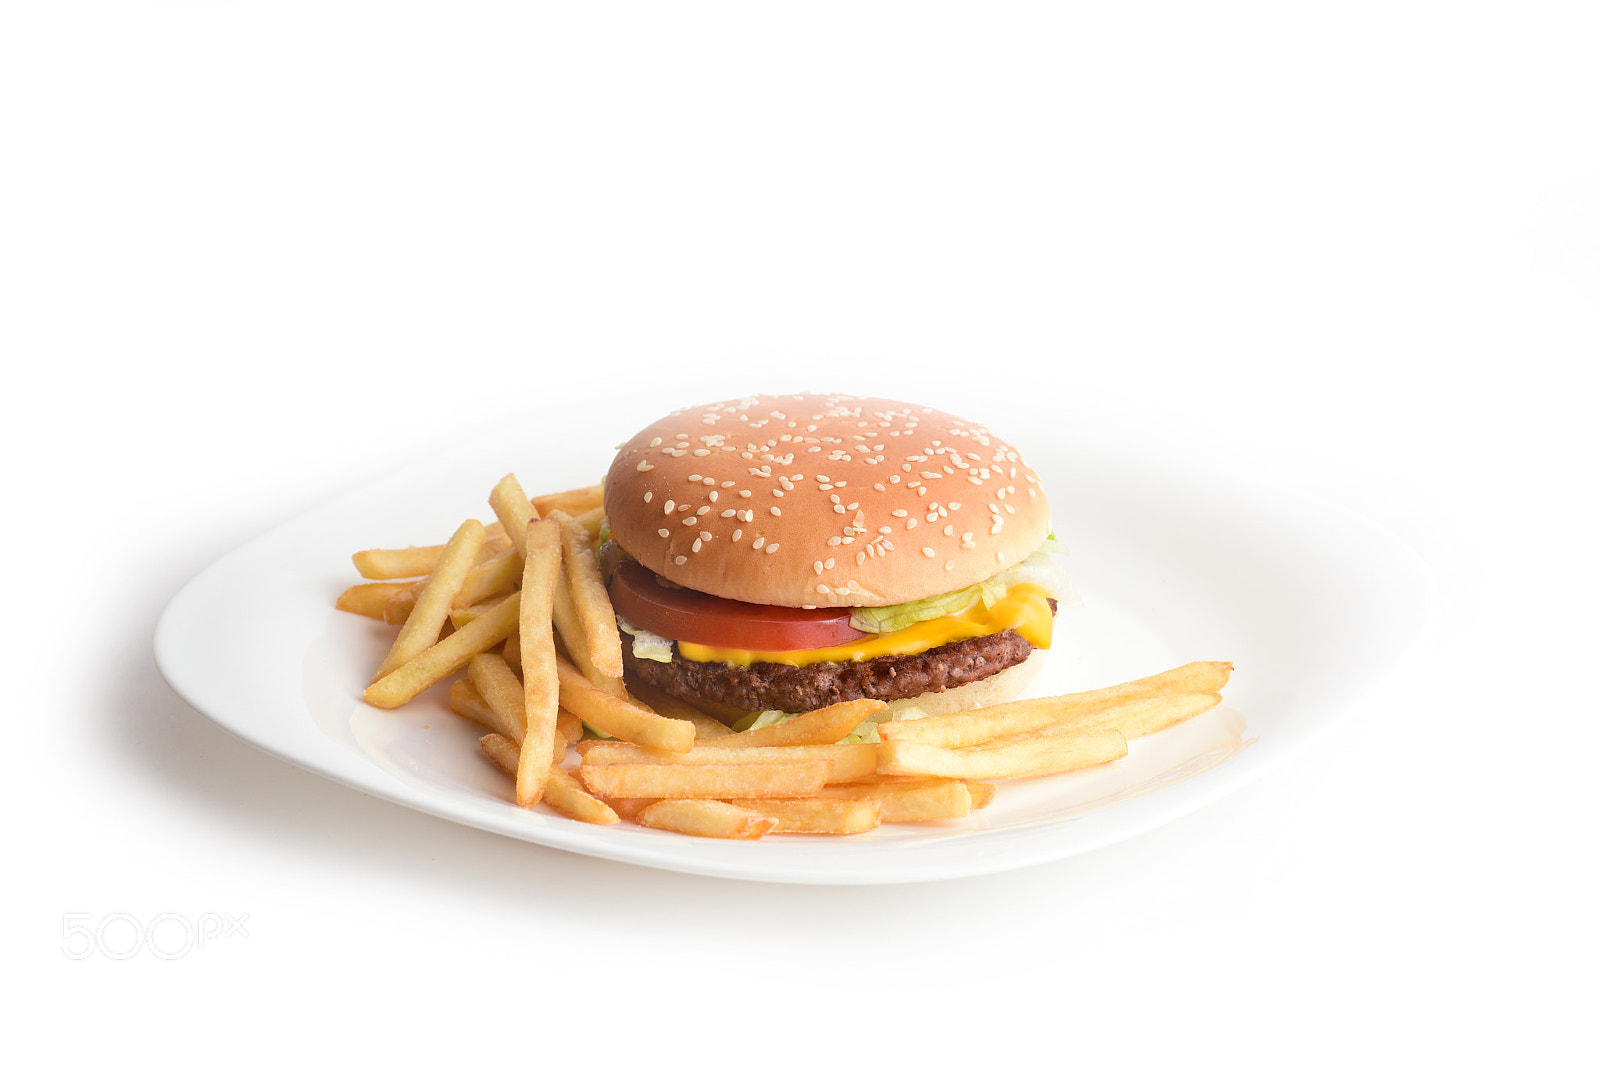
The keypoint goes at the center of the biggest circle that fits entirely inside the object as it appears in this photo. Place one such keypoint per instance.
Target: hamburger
(783, 553)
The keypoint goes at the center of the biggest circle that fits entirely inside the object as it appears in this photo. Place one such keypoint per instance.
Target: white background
(253, 255)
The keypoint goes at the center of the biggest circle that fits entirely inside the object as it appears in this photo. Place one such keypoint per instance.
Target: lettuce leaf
(1043, 568)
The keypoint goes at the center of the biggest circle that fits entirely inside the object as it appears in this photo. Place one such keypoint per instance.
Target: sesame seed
(705, 535)
(776, 510)
(702, 510)
(702, 452)
(694, 478)
(816, 565)
(949, 565)
(653, 443)
(911, 524)
(737, 534)
(927, 551)
(696, 546)
(667, 508)
(645, 465)
(712, 496)
(861, 557)
(680, 559)
(772, 548)
(728, 513)
(759, 542)
(828, 563)
(664, 532)
(899, 513)
(690, 521)
(647, 495)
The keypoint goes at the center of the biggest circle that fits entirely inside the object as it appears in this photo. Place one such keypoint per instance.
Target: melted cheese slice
(1025, 609)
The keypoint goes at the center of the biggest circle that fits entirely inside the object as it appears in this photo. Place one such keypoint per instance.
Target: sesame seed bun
(822, 500)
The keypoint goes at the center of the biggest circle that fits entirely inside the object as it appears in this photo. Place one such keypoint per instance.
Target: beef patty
(763, 686)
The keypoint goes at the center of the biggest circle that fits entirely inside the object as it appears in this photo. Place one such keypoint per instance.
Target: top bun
(822, 500)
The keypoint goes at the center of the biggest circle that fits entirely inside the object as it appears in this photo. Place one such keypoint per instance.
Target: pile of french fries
(516, 612)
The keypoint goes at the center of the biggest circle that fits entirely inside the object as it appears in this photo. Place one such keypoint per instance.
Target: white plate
(1176, 562)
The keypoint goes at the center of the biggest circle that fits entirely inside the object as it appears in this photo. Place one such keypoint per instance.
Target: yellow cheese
(1025, 608)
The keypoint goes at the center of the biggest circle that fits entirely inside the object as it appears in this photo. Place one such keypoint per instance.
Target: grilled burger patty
(763, 686)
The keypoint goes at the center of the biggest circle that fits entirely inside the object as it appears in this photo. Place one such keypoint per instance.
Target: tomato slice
(691, 616)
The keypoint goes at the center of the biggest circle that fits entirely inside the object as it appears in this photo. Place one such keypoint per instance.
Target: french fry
(1011, 759)
(540, 690)
(514, 510)
(368, 598)
(793, 779)
(500, 692)
(1016, 717)
(492, 577)
(1148, 714)
(591, 521)
(847, 762)
(418, 561)
(704, 819)
(412, 562)
(567, 796)
(448, 655)
(571, 501)
(422, 626)
(569, 727)
(501, 751)
(619, 716)
(465, 701)
(397, 609)
(562, 792)
(820, 726)
(911, 802)
(591, 605)
(982, 793)
(665, 704)
(564, 614)
(818, 815)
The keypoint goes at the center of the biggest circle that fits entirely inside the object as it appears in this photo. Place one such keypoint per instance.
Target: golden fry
(514, 510)
(427, 618)
(1016, 717)
(368, 598)
(704, 818)
(912, 802)
(818, 815)
(819, 726)
(796, 779)
(1011, 759)
(541, 572)
(448, 655)
(591, 605)
(665, 704)
(619, 716)
(571, 501)
(562, 792)
(491, 577)
(847, 762)
(397, 563)
(500, 692)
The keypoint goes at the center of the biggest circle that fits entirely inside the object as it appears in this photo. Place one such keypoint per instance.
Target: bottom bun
(1002, 686)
